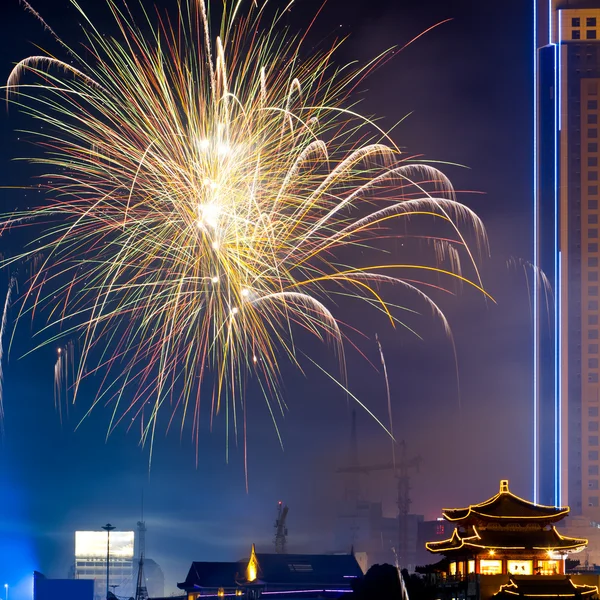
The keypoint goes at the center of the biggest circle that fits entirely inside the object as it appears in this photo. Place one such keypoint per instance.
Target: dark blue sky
(468, 87)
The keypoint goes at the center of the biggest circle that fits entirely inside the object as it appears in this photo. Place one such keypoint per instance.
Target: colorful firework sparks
(208, 194)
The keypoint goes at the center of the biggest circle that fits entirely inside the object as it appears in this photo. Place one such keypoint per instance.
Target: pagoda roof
(534, 586)
(506, 506)
(475, 539)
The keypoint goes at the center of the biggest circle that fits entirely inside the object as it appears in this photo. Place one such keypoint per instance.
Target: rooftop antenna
(141, 527)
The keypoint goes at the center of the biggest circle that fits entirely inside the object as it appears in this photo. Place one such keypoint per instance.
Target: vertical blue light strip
(535, 259)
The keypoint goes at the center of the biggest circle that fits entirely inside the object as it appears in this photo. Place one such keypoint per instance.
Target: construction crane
(401, 467)
(280, 528)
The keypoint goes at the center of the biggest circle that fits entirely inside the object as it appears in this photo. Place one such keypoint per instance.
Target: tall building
(567, 83)
(90, 561)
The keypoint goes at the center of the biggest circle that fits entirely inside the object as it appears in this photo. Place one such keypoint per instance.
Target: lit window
(590, 22)
(590, 34)
(439, 529)
(452, 568)
(520, 567)
(592, 425)
(592, 119)
(490, 567)
(592, 411)
(471, 566)
(547, 567)
(575, 34)
(575, 22)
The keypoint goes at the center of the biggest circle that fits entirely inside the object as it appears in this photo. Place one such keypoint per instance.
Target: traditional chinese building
(504, 545)
(289, 576)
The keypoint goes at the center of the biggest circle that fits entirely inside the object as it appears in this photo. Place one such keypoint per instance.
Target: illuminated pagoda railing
(498, 547)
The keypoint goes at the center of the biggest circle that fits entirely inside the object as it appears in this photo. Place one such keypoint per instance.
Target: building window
(593, 190)
(593, 455)
(592, 348)
(439, 529)
(490, 567)
(593, 204)
(592, 119)
(471, 566)
(593, 364)
(575, 34)
(593, 334)
(592, 411)
(452, 569)
(593, 484)
(592, 104)
(593, 305)
(590, 34)
(593, 290)
(592, 233)
(593, 470)
(590, 22)
(592, 161)
(593, 219)
(592, 247)
(593, 276)
(592, 425)
(593, 176)
(592, 132)
(575, 22)
(592, 261)
(593, 501)
(547, 567)
(592, 147)
(520, 567)
(592, 440)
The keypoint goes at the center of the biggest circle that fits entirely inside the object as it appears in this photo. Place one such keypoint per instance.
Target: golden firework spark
(204, 191)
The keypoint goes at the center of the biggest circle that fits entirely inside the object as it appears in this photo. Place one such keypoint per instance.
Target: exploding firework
(212, 195)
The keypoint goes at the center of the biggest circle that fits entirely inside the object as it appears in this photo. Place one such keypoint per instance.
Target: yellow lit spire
(252, 568)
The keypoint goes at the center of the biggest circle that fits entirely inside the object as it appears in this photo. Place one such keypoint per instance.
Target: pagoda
(497, 546)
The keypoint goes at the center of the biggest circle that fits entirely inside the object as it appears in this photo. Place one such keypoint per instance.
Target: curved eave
(475, 511)
(578, 590)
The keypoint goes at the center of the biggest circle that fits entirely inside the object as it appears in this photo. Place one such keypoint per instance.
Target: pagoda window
(471, 567)
(520, 567)
(452, 570)
(548, 567)
(490, 567)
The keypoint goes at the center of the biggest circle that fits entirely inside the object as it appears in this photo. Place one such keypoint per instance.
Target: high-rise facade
(566, 355)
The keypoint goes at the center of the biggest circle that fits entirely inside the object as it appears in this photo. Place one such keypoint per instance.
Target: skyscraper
(566, 380)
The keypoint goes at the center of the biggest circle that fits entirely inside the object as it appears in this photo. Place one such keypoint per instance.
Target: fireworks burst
(208, 196)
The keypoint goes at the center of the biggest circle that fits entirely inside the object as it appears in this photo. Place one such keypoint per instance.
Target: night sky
(467, 89)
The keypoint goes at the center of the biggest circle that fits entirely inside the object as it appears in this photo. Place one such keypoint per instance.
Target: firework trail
(212, 197)
(7, 303)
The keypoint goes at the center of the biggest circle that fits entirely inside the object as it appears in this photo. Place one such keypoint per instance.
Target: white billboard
(92, 544)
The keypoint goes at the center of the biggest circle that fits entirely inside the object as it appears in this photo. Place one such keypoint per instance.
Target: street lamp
(108, 528)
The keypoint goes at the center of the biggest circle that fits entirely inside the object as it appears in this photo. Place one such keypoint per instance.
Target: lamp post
(108, 528)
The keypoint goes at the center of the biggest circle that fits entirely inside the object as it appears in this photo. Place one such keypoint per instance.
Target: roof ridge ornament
(504, 486)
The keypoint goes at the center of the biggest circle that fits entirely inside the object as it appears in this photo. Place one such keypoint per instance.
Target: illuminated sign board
(92, 544)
